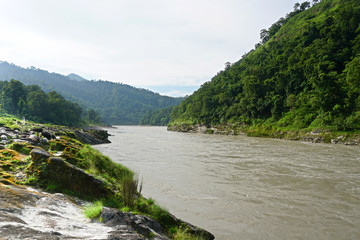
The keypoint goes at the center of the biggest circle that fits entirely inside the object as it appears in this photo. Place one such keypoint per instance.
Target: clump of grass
(101, 165)
(184, 234)
(93, 210)
(130, 190)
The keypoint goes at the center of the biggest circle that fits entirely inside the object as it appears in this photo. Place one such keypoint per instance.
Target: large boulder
(65, 176)
(92, 136)
(143, 225)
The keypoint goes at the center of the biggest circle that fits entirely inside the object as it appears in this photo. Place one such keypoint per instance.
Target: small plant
(93, 210)
(51, 187)
(184, 234)
(129, 190)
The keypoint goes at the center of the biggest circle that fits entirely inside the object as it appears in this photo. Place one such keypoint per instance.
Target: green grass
(103, 166)
(183, 234)
(93, 210)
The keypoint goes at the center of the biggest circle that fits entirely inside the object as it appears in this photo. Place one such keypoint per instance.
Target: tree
(305, 5)
(296, 6)
(264, 35)
(12, 95)
(227, 65)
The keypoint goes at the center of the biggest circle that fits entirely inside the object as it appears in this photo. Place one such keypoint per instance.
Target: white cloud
(138, 42)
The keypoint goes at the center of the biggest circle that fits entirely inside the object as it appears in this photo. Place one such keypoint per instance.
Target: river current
(239, 187)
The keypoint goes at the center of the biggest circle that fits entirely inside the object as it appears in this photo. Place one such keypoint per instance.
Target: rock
(92, 136)
(37, 129)
(33, 138)
(4, 137)
(48, 135)
(139, 224)
(66, 176)
(39, 155)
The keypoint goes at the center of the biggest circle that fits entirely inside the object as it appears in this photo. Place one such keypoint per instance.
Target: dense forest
(116, 103)
(34, 104)
(159, 117)
(304, 73)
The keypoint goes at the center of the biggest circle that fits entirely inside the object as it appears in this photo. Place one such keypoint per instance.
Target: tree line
(33, 103)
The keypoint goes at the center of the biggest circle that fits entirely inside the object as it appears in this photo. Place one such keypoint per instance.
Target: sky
(168, 46)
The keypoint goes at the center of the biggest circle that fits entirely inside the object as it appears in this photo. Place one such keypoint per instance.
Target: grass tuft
(93, 210)
(183, 234)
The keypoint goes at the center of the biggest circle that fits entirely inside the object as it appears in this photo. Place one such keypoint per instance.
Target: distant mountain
(304, 74)
(117, 103)
(76, 77)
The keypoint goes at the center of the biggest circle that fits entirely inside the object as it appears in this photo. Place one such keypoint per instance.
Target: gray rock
(34, 138)
(143, 225)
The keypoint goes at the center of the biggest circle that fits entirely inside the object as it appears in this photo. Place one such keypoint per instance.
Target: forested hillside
(117, 103)
(305, 73)
(34, 104)
(159, 117)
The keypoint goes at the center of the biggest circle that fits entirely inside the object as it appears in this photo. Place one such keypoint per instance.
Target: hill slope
(117, 103)
(304, 74)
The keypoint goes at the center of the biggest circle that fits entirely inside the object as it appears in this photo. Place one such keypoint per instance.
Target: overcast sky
(168, 46)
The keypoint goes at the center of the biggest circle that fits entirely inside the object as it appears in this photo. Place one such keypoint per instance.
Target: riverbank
(40, 163)
(314, 136)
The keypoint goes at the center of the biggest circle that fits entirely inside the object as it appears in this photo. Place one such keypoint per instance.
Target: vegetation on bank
(64, 164)
(159, 117)
(31, 102)
(303, 75)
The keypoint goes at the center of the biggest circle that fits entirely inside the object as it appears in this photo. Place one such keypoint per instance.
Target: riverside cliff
(50, 178)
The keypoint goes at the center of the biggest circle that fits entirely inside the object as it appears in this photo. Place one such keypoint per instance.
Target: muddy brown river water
(239, 187)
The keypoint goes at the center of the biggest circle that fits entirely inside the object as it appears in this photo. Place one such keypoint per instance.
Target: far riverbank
(314, 136)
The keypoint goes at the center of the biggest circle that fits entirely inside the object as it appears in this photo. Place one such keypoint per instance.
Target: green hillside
(304, 74)
(117, 103)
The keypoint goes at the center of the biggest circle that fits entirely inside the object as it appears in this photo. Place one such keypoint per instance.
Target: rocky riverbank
(49, 173)
(315, 136)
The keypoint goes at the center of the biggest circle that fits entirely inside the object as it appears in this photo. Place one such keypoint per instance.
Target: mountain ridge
(117, 103)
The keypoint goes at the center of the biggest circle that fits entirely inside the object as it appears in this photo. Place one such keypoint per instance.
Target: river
(239, 187)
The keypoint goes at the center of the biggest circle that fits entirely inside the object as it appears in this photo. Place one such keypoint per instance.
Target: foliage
(183, 234)
(130, 190)
(101, 165)
(303, 74)
(159, 117)
(93, 210)
(115, 102)
(34, 104)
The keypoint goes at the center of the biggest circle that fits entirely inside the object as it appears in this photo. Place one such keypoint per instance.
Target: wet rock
(30, 214)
